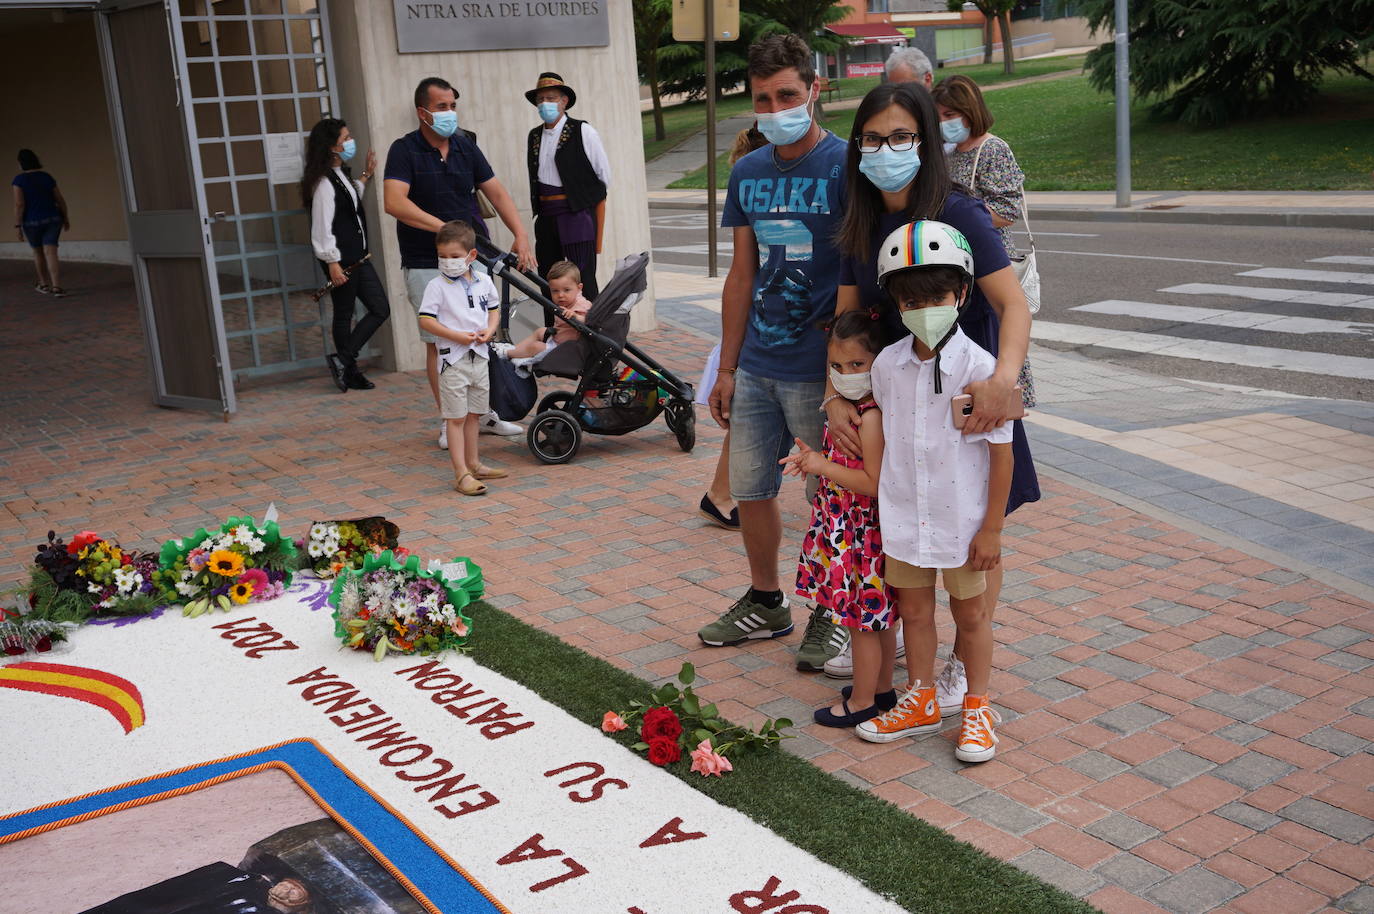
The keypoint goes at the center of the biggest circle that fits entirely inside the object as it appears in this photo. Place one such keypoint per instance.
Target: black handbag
(512, 396)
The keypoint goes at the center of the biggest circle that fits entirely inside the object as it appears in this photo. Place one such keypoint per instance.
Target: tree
(807, 18)
(682, 66)
(1213, 61)
(994, 11)
(652, 18)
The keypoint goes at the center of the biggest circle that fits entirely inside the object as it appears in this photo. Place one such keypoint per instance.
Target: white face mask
(851, 386)
(453, 267)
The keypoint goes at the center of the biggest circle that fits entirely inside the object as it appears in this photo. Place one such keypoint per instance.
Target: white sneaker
(951, 685)
(841, 666)
(443, 434)
(493, 424)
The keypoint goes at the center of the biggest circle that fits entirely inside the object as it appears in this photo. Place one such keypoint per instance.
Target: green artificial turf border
(895, 854)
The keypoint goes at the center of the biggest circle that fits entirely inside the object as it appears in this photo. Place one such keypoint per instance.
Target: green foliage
(53, 603)
(807, 18)
(1210, 62)
(682, 66)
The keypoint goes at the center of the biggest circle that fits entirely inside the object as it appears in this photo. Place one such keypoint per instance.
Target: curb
(1309, 219)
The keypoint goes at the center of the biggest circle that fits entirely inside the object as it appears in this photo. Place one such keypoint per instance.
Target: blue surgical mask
(548, 112)
(888, 170)
(782, 128)
(954, 130)
(350, 149)
(445, 123)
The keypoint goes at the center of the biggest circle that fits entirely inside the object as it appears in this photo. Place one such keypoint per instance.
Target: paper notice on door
(285, 162)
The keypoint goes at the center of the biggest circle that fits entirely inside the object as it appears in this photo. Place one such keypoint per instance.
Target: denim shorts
(44, 233)
(765, 416)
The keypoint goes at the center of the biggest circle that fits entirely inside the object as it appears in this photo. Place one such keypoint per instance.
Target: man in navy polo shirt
(432, 176)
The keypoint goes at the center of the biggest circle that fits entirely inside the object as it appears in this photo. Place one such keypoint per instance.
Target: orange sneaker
(916, 714)
(977, 741)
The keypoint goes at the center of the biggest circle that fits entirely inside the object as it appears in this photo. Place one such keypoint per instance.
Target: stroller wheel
(681, 417)
(559, 399)
(554, 436)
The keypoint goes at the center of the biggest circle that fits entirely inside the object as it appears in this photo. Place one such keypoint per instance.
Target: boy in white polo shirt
(461, 307)
(941, 493)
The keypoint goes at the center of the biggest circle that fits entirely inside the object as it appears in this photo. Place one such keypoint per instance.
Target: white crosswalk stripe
(1359, 261)
(1311, 275)
(1218, 317)
(1341, 366)
(1293, 296)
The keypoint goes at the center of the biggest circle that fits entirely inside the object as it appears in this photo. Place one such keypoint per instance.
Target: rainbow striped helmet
(924, 244)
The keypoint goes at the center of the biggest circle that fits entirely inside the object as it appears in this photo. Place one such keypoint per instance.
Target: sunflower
(226, 563)
(241, 592)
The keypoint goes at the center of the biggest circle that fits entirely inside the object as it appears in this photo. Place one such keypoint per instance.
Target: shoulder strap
(973, 178)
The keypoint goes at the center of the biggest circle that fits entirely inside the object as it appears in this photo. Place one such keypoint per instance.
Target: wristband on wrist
(828, 399)
(725, 371)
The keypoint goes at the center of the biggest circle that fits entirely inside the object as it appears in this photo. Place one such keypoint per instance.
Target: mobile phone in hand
(961, 405)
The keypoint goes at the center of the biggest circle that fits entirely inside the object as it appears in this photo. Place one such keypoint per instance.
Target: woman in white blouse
(339, 235)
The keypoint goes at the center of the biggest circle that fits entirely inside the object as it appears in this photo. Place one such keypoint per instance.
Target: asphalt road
(1283, 309)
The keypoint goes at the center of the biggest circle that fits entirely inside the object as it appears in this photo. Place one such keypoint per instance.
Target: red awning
(869, 33)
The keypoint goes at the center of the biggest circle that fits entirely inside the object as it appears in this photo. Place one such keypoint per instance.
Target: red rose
(664, 751)
(660, 723)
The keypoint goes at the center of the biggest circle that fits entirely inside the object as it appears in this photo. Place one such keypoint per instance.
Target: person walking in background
(338, 233)
(40, 216)
(432, 176)
(717, 498)
(985, 165)
(569, 175)
(908, 65)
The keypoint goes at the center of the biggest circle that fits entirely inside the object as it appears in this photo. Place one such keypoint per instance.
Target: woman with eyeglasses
(896, 173)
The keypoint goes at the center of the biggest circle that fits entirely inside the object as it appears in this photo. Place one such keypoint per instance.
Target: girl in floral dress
(841, 565)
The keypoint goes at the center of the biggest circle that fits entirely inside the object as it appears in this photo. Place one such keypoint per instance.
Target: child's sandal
(485, 472)
(470, 488)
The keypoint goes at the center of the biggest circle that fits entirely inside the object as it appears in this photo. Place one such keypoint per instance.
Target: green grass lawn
(682, 121)
(1328, 147)
(896, 854)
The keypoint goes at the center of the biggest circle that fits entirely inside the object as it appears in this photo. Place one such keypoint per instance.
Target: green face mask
(929, 325)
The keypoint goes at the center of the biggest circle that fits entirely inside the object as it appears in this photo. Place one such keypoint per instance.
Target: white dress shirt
(322, 217)
(591, 142)
(933, 486)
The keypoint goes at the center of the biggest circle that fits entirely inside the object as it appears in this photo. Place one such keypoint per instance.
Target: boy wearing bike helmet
(936, 483)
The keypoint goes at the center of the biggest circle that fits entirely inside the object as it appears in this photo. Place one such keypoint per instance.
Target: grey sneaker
(841, 666)
(748, 620)
(951, 685)
(822, 641)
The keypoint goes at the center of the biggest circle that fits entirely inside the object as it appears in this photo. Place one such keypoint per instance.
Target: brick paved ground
(1189, 727)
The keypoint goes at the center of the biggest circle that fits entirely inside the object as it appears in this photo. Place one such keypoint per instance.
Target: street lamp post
(1123, 108)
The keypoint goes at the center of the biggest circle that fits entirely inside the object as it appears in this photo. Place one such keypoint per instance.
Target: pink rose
(707, 761)
(612, 723)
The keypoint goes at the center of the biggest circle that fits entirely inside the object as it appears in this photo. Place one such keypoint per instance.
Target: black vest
(580, 183)
(347, 217)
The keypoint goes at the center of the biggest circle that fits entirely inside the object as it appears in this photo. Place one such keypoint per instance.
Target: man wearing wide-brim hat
(569, 174)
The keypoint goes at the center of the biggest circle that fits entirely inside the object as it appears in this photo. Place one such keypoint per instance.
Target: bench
(826, 87)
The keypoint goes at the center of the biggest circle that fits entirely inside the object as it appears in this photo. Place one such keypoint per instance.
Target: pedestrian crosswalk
(1287, 321)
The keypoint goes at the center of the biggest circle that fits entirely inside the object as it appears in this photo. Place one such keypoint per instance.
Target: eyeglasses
(901, 141)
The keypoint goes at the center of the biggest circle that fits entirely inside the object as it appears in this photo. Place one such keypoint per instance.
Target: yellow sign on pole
(689, 20)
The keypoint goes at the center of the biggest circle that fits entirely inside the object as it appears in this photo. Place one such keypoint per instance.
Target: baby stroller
(619, 387)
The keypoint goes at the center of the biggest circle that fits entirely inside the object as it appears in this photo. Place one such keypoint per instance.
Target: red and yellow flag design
(115, 694)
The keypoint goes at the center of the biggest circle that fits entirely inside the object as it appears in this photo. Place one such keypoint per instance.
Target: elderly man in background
(909, 65)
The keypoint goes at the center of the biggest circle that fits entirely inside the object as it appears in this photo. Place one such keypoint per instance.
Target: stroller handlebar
(506, 265)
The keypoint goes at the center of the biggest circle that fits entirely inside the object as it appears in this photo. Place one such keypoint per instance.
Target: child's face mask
(453, 267)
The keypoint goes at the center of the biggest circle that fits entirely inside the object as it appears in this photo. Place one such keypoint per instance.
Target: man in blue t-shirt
(784, 203)
(432, 177)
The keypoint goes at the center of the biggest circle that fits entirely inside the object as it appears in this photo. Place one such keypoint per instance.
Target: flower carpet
(209, 761)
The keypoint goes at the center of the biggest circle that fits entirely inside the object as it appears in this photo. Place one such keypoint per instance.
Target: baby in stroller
(565, 288)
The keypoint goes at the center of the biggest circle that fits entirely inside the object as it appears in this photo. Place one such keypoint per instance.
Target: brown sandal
(473, 488)
(485, 472)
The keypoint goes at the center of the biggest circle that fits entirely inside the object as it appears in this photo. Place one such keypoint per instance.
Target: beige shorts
(960, 583)
(465, 387)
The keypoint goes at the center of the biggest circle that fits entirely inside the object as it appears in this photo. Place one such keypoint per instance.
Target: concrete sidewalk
(1183, 658)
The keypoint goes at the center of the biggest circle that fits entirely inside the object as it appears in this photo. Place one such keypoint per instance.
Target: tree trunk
(1008, 54)
(652, 69)
(987, 37)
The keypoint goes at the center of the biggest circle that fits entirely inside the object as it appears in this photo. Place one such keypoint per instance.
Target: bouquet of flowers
(240, 563)
(22, 633)
(332, 546)
(675, 719)
(91, 575)
(389, 605)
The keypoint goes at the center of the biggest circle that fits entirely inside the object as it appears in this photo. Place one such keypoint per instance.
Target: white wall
(376, 85)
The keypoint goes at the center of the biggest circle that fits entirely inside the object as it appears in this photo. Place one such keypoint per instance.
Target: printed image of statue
(312, 868)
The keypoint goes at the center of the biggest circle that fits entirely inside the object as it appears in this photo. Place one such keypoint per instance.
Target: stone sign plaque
(478, 25)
